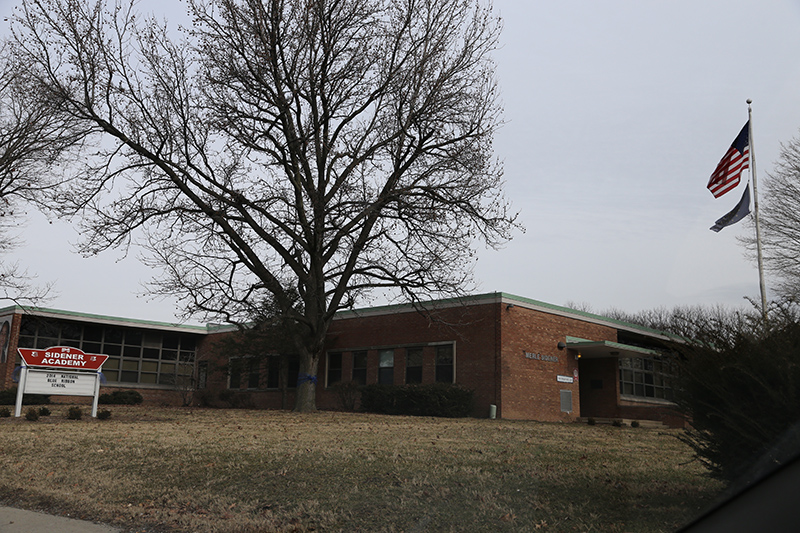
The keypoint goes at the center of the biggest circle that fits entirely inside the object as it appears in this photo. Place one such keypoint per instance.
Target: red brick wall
(530, 386)
(211, 352)
(7, 368)
(490, 341)
(471, 330)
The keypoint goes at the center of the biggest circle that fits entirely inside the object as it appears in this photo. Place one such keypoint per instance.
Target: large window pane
(112, 349)
(133, 337)
(386, 367)
(444, 364)
(92, 347)
(273, 372)
(360, 367)
(92, 333)
(254, 373)
(235, 374)
(646, 377)
(414, 365)
(334, 369)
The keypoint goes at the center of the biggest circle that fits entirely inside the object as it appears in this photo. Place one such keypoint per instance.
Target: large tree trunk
(306, 395)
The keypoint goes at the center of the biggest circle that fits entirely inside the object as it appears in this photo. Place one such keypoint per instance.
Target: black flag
(741, 210)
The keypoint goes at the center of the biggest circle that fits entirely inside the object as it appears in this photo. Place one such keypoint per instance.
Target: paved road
(19, 521)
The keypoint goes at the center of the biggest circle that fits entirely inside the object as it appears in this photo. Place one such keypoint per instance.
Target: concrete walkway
(19, 521)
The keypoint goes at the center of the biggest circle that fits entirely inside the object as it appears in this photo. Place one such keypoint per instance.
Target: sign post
(60, 370)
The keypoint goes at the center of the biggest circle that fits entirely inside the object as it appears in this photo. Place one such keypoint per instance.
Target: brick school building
(524, 359)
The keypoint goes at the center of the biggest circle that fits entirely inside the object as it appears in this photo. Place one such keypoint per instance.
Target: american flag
(729, 170)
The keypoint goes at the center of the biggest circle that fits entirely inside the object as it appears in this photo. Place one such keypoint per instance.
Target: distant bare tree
(779, 220)
(310, 150)
(688, 322)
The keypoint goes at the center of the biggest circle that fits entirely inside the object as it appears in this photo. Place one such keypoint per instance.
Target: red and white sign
(62, 357)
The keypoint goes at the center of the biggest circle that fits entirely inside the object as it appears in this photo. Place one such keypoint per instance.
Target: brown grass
(163, 469)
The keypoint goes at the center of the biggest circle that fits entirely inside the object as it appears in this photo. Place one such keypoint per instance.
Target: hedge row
(121, 397)
(438, 399)
(9, 397)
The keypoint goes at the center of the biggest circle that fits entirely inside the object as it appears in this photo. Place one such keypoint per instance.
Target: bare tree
(305, 150)
(32, 139)
(779, 220)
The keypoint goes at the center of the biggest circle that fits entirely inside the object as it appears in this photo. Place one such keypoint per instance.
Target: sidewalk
(19, 521)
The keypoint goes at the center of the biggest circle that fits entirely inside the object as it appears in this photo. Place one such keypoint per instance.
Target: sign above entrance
(62, 357)
(541, 357)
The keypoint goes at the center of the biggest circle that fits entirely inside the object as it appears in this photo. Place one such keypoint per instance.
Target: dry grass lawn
(163, 469)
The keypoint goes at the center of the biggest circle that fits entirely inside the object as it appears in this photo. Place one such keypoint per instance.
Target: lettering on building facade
(541, 357)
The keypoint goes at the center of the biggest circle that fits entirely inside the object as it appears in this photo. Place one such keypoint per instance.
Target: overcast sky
(616, 114)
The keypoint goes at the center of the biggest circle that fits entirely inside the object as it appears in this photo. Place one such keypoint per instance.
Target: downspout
(498, 343)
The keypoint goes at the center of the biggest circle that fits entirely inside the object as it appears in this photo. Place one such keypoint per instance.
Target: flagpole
(755, 214)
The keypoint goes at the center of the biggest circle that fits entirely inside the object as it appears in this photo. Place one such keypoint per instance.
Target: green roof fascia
(594, 317)
(106, 318)
(497, 297)
(444, 302)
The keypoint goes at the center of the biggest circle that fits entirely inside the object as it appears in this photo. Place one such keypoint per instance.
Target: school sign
(59, 370)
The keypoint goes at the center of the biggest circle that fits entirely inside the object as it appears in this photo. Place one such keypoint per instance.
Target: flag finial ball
(749, 101)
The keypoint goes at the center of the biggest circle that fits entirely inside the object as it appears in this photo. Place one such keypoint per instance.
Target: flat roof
(102, 319)
(509, 299)
(477, 299)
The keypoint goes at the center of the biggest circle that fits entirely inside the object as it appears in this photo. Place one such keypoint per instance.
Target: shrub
(438, 399)
(44, 411)
(226, 396)
(635, 424)
(4, 412)
(205, 398)
(235, 399)
(348, 393)
(9, 397)
(32, 415)
(738, 385)
(121, 397)
(75, 413)
(617, 423)
(105, 414)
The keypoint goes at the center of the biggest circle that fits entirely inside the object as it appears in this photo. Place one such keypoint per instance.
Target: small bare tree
(779, 220)
(305, 151)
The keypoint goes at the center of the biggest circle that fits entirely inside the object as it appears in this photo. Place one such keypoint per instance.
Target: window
(386, 367)
(253, 373)
(641, 377)
(242, 371)
(414, 365)
(136, 355)
(273, 371)
(360, 367)
(444, 364)
(294, 371)
(334, 368)
(234, 373)
(202, 375)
